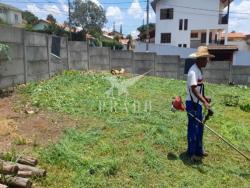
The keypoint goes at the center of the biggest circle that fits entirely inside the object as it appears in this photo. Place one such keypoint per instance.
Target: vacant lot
(135, 140)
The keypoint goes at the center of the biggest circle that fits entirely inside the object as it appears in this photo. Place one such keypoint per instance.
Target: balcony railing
(223, 19)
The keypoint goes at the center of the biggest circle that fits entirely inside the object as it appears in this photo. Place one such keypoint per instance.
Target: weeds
(127, 148)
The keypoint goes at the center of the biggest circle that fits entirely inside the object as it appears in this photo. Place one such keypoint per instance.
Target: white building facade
(11, 15)
(191, 23)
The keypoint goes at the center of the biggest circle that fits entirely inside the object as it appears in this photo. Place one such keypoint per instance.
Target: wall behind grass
(32, 60)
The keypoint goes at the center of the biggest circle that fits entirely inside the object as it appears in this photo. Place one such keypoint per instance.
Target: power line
(50, 2)
(128, 2)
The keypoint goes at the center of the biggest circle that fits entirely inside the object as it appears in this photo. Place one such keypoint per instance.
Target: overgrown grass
(127, 147)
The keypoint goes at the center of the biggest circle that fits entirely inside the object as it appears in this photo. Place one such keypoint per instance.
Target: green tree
(88, 15)
(29, 17)
(51, 19)
(143, 30)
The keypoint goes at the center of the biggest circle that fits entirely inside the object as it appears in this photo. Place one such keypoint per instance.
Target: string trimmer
(177, 105)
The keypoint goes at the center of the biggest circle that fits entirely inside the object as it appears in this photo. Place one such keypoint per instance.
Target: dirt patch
(23, 130)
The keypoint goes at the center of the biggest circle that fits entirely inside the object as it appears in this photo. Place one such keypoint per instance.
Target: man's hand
(206, 104)
(200, 97)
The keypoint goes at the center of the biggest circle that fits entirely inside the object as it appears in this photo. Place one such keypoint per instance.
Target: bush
(245, 107)
(231, 100)
(111, 44)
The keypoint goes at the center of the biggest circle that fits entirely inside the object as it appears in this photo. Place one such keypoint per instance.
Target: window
(56, 46)
(186, 24)
(180, 24)
(203, 37)
(179, 45)
(210, 37)
(184, 45)
(194, 35)
(166, 38)
(16, 18)
(167, 14)
(2, 11)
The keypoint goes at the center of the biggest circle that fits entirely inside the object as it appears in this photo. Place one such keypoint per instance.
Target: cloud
(33, 8)
(240, 16)
(114, 12)
(64, 5)
(135, 10)
(151, 16)
(52, 9)
(42, 11)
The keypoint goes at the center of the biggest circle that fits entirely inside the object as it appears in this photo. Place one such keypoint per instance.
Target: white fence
(160, 49)
(241, 58)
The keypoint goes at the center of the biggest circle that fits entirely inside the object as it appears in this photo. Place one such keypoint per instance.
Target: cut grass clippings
(136, 141)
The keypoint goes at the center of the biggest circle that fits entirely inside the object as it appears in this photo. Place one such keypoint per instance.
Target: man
(195, 99)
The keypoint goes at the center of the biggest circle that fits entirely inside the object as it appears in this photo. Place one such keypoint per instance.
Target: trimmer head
(177, 104)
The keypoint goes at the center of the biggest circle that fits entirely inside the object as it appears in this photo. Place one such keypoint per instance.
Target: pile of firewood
(17, 175)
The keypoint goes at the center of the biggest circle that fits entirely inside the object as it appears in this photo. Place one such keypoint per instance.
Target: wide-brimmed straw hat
(202, 51)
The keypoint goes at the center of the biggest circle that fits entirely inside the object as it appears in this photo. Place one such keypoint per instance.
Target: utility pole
(147, 40)
(70, 35)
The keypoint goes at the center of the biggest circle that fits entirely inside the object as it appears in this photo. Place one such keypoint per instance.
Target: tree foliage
(51, 19)
(4, 51)
(29, 17)
(88, 15)
(142, 29)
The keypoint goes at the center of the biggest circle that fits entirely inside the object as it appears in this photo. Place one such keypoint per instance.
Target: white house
(11, 15)
(190, 23)
(241, 40)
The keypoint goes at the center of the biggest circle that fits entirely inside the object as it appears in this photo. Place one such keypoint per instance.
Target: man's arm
(200, 97)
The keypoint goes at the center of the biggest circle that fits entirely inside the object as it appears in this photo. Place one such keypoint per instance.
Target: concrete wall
(217, 72)
(31, 59)
(144, 62)
(99, 58)
(12, 72)
(78, 52)
(122, 59)
(167, 66)
(241, 75)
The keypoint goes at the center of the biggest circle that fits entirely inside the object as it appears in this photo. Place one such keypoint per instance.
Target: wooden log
(35, 171)
(9, 169)
(18, 182)
(3, 186)
(24, 174)
(27, 161)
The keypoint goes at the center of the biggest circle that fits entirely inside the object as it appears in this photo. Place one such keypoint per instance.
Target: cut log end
(18, 182)
(25, 174)
(27, 161)
(3, 186)
(9, 169)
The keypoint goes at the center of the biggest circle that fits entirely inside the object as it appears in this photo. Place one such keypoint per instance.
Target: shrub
(245, 107)
(231, 100)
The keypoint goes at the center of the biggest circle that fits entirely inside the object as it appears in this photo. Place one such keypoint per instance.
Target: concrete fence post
(133, 61)
(178, 68)
(230, 79)
(24, 58)
(68, 53)
(88, 54)
(48, 55)
(109, 54)
(155, 56)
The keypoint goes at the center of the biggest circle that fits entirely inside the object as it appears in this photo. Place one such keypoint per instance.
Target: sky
(128, 13)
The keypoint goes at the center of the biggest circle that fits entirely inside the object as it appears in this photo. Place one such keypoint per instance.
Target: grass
(133, 145)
